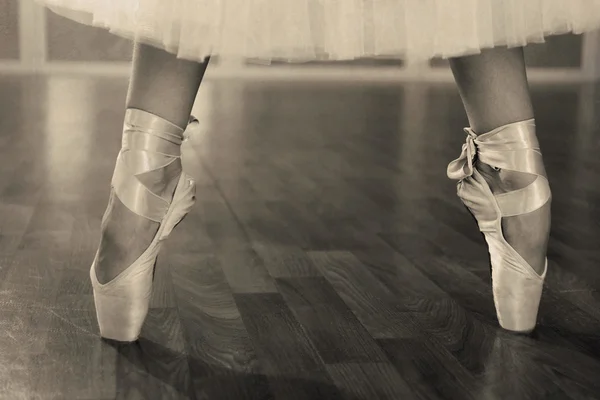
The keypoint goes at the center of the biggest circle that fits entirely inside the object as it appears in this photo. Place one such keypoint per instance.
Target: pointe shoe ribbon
(148, 165)
(512, 147)
(462, 167)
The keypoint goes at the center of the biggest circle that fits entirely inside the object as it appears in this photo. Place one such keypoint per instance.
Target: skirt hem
(182, 37)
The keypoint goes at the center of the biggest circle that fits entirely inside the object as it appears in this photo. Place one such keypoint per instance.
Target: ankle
(178, 121)
(504, 181)
(491, 122)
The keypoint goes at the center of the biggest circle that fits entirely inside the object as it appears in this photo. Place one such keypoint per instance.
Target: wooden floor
(327, 256)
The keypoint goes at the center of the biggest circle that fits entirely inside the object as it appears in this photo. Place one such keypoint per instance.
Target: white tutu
(304, 30)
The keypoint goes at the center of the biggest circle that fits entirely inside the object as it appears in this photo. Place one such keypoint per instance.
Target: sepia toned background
(326, 256)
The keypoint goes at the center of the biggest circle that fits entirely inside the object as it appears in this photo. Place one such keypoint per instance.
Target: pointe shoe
(149, 161)
(517, 287)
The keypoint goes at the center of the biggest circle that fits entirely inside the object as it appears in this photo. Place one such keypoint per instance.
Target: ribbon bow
(462, 167)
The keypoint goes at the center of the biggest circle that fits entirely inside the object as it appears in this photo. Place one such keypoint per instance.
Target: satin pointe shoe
(517, 287)
(149, 161)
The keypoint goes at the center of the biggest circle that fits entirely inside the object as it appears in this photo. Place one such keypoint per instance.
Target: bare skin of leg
(165, 86)
(494, 90)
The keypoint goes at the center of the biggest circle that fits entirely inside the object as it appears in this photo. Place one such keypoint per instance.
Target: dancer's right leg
(502, 180)
(150, 193)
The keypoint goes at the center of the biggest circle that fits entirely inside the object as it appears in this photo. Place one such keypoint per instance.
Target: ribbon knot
(462, 167)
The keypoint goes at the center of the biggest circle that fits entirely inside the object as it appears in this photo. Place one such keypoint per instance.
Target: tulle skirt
(305, 30)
